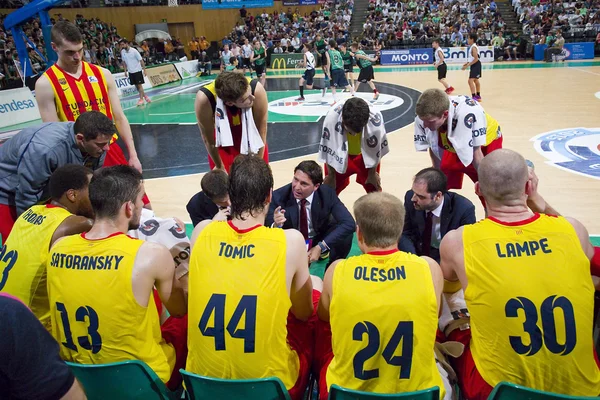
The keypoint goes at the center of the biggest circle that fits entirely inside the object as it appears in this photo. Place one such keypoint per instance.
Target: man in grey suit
(431, 212)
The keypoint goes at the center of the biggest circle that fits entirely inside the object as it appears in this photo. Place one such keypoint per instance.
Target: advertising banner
(220, 4)
(124, 88)
(459, 55)
(162, 74)
(187, 69)
(291, 2)
(406, 57)
(289, 60)
(572, 51)
(17, 106)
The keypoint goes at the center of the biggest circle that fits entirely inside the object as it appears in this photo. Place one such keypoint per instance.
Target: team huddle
(513, 292)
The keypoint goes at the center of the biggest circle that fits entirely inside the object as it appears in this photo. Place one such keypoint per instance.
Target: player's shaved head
(503, 175)
(432, 103)
(380, 218)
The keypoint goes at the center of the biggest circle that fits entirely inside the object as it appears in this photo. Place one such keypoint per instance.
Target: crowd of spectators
(100, 47)
(392, 22)
(287, 31)
(543, 19)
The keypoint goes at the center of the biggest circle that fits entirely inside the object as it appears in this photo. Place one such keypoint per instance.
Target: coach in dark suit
(431, 212)
(315, 210)
(212, 200)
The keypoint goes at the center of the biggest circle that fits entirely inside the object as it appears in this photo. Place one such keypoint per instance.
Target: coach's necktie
(426, 240)
(303, 219)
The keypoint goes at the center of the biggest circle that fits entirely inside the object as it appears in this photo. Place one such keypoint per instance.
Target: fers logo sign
(575, 149)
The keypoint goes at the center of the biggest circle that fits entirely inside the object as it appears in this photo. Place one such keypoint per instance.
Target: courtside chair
(202, 387)
(126, 380)
(339, 393)
(511, 391)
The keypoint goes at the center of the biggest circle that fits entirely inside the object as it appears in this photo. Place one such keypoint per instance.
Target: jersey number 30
(246, 307)
(403, 333)
(530, 326)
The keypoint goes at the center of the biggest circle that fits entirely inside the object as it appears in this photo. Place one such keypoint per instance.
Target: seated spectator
(213, 200)
(505, 275)
(316, 211)
(30, 365)
(262, 273)
(204, 64)
(498, 43)
(554, 53)
(374, 301)
(69, 212)
(121, 312)
(431, 211)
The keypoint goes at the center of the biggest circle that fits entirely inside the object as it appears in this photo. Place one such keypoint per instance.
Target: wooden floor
(526, 102)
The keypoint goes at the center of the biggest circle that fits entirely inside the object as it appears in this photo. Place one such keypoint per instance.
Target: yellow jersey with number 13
(239, 304)
(531, 300)
(25, 254)
(95, 316)
(384, 316)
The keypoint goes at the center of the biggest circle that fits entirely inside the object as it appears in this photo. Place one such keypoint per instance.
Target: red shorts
(454, 169)
(301, 339)
(174, 331)
(228, 155)
(472, 384)
(323, 356)
(8, 216)
(115, 156)
(356, 165)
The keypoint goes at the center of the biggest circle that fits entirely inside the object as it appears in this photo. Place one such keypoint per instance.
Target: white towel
(251, 140)
(466, 129)
(333, 148)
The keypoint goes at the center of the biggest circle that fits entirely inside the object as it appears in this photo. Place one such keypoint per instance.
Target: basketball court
(550, 113)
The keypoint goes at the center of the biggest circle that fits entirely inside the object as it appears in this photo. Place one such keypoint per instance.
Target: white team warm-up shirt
(467, 129)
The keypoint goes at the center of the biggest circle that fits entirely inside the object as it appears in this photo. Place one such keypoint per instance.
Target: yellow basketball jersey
(384, 317)
(95, 315)
(531, 300)
(25, 271)
(354, 144)
(238, 305)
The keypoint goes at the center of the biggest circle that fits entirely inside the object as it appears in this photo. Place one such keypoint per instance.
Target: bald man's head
(503, 175)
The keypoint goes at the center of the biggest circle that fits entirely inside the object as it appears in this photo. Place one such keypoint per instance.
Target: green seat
(511, 391)
(340, 393)
(121, 380)
(202, 387)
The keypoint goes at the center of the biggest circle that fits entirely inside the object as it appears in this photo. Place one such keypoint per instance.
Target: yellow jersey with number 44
(531, 300)
(24, 257)
(239, 304)
(384, 317)
(95, 316)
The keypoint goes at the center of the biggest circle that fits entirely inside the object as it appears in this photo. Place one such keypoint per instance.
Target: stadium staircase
(508, 14)
(359, 16)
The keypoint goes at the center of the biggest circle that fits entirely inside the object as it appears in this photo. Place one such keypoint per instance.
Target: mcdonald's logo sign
(278, 63)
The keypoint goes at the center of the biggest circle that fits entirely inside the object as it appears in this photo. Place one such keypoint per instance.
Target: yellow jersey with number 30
(95, 316)
(384, 317)
(531, 300)
(239, 304)
(25, 254)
